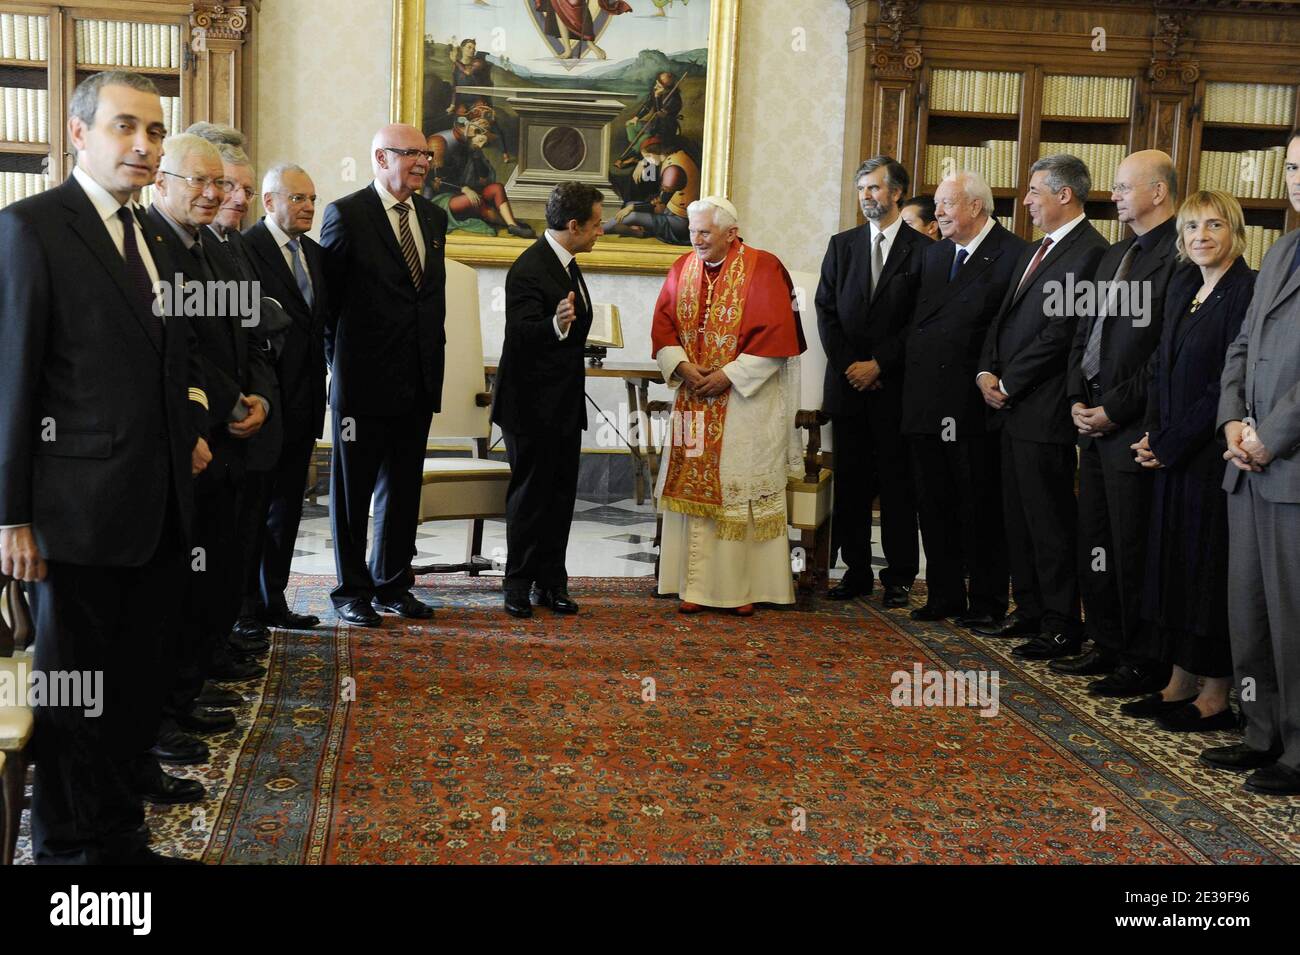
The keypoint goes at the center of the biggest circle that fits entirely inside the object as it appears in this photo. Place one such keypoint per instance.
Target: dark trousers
(212, 604)
(959, 503)
(1114, 510)
(253, 504)
(871, 460)
(276, 498)
(539, 507)
(380, 456)
(119, 622)
(1039, 509)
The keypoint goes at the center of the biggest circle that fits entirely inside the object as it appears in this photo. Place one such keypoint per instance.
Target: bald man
(384, 340)
(1107, 393)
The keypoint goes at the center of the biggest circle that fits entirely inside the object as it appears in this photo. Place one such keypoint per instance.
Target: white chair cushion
(464, 469)
(15, 721)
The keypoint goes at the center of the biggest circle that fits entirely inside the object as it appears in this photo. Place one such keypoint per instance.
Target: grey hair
(1065, 170)
(720, 216)
(896, 176)
(85, 98)
(233, 155)
(975, 186)
(273, 181)
(219, 134)
(179, 148)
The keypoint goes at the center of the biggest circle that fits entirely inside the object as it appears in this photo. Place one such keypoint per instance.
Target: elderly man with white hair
(727, 339)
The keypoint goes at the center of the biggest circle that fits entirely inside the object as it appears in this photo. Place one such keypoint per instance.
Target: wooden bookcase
(209, 76)
(1168, 52)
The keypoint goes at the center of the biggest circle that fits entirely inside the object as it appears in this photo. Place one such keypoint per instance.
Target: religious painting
(514, 96)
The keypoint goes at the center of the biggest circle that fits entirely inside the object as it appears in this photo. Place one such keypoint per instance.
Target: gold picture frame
(612, 253)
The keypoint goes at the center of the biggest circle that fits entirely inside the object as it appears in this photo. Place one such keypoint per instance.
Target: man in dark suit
(102, 424)
(190, 188)
(540, 398)
(1023, 370)
(385, 338)
(1107, 392)
(291, 267)
(865, 298)
(955, 456)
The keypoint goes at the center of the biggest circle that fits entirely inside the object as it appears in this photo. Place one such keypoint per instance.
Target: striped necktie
(409, 252)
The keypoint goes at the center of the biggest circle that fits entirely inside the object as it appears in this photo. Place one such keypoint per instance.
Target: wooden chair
(16, 635)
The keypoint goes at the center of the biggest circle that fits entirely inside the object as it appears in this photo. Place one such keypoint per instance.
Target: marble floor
(608, 540)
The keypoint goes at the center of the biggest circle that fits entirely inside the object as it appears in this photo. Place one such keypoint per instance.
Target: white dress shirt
(974, 243)
(412, 220)
(565, 257)
(107, 207)
(282, 239)
(890, 233)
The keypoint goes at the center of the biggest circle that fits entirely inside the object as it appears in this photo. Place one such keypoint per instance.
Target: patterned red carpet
(483, 739)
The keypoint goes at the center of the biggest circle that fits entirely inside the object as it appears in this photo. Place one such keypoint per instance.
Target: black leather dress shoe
(848, 588)
(896, 595)
(231, 669)
(164, 789)
(1012, 625)
(288, 620)
(1048, 646)
(1150, 707)
(932, 612)
(218, 696)
(977, 618)
(406, 606)
(1188, 719)
(557, 598)
(174, 746)
(250, 645)
(1239, 757)
(517, 605)
(359, 613)
(1093, 663)
(1275, 780)
(204, 719)
(1128, 680)
(250, 627)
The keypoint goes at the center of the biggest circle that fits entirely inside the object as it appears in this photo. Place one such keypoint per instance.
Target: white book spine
(11, 114)
(6, 36)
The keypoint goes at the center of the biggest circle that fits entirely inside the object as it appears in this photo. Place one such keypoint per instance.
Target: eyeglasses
(201, 183)
(1123, 188)
(297, 198)
(410, 153)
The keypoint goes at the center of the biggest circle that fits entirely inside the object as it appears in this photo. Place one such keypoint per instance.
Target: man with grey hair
(1022, 378)
(955, 456)
(727, 339)
(190, 188)
(869, 281)
(95, 508)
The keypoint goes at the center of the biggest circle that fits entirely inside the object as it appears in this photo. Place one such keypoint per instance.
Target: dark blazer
(947, 333)
(230, 367)
(95, 419)
(300, 365)
(541, 383)
(1029, 349)
(1187, 549)
(858, 322)
(1126, 347)
(384, 338)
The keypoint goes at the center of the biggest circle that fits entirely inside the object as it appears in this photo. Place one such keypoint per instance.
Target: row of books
(975, 91)
(1258, 241)
(1273, 104)
(172, 114)
(1102, 160)
(995, 160)
(24, 115)
(20, 185)
(114, 43)
(24, 37)
(1251, 174)
(1007, 222)
(1099, 96)
(1112, 230)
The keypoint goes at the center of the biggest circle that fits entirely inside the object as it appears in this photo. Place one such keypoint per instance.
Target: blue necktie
(956, 264)
(300, 273)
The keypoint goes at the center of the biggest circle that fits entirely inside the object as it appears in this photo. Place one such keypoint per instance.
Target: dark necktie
(409, 252)
(207, 273)
(956, 264)
(1295, 264)
(138, 276)
(1033, 265)
(576, 276)
(1092, 353)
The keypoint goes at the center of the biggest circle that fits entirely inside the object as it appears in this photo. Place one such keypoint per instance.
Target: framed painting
(634, 97)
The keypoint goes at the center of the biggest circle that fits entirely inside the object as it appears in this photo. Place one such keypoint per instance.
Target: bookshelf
(995, 84)
(193, 50)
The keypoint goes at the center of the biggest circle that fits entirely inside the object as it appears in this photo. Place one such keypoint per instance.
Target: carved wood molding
(895, 51)
(1171, 70)
(221, 21)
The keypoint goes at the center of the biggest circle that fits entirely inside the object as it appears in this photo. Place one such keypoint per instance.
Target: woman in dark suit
(1185, 594)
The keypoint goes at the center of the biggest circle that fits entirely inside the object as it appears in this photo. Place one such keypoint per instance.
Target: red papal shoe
(687, 607)
(747, 610)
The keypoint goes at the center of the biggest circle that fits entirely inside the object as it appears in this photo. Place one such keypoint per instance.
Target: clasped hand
(1245, 450)
(864, 375)
(703, 382)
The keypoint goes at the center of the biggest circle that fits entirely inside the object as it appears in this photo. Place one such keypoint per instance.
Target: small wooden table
(637, 377)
